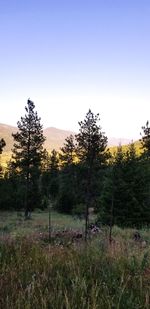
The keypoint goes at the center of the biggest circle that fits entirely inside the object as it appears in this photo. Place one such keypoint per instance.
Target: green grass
(75, 277)
(14, 223)
(37, 275)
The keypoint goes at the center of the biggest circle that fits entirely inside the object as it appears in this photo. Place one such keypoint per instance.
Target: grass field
(14, 224)
(71, 274)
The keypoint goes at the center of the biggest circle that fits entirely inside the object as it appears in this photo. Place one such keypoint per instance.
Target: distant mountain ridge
(6, 133)
(54, 137)
(114, 141)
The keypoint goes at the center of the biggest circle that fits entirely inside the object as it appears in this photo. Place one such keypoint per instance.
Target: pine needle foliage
(28, 152)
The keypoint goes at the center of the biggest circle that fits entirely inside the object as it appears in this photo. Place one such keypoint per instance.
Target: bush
(79, 210)
(65, 202)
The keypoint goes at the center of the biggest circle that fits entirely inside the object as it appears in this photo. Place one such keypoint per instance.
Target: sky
(71, 55)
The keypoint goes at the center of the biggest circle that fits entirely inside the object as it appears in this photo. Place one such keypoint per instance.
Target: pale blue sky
(72, 55)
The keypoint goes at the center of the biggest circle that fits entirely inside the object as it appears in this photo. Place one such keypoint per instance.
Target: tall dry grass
(95, 276)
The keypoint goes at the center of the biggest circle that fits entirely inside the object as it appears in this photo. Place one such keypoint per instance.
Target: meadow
(65, 273)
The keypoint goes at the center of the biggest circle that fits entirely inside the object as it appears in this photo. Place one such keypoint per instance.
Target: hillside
(6, 133)
(54, 140)
(137, 144)
(54, 137)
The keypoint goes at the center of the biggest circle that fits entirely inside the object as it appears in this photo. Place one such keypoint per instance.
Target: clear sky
(71, 55)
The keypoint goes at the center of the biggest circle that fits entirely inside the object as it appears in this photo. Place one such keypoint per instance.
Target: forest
(74, 224)
(83, 175)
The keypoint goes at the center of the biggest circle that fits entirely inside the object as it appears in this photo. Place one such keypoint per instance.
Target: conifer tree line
(83, 175)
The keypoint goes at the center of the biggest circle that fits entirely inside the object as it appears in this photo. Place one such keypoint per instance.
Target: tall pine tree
(92, 154)
(27, 155)
(67, 195)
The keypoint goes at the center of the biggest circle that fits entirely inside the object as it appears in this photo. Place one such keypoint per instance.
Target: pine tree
(54, 173)
(112, 190)
(92, 154)
(136, 202)
(145, 162)
(68, 151)
(50, 176)
(67, 194)
(146, 140)
(106, 211)
(2, 145)
(27, 154)
(54, 163)
(133, 187)
(126, 185)
(91, 141)
(119, 187)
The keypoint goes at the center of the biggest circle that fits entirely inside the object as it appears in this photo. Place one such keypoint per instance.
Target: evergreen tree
(54, 174)
(145, 163)
(125, 183)
(2, 183)
(137, 189)
(45, 161)
(92, 154)
(91, 141)
(13, 189)
(28, 153)
(54, 163)
(132, 176)
(119, 187)
(146, 140)
(68, 193)
(68, 152)
(50, 177)
(2, 145)
(106, 210)
(113, 189)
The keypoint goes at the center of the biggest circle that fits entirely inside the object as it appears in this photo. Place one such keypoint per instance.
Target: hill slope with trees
(84, 174)
(55, 137)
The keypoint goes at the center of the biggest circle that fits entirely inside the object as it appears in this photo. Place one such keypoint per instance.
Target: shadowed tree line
(84, 175)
